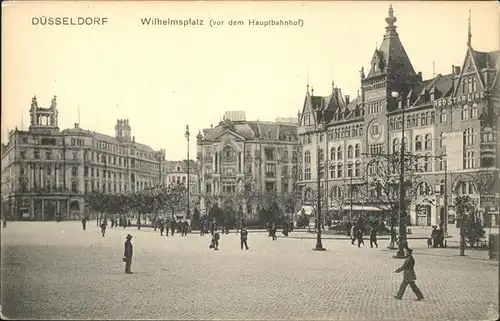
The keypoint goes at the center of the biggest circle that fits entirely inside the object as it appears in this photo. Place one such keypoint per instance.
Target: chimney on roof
(420, 76)
(76, 125)
(347, 99)
(456, 70)
(133, 139)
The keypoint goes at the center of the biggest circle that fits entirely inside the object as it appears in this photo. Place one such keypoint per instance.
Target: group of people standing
(166, 225)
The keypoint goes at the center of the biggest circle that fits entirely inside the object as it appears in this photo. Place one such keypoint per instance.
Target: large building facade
(46, 171)
(239, 157)
(452, 119)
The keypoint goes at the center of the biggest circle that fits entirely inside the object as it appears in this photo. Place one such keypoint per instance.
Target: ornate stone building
(47, 171)
(254, 156)
(452, 119)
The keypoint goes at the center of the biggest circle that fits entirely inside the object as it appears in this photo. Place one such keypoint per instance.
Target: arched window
(442, 116)
(465, 112)
(418, 143)
(357, 169)
(474, 87)
(339, 153)
(333, 154)
(424, 189)
(428, 142)
(349, 169)
(349, 152)
(473, 111)
(340, 168)
(321, 155)
(307, 157)
(442, 140)
(357, 150)
(395, 145)
(428, 163)
(336, 192)
(332, 170)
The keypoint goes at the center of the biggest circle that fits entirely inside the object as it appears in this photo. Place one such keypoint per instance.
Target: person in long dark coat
(104, 224)
(172, 227)
(185, 227)
(162, 227)
(84, 224)
(409, 277)
(273, 231)
(243, 238)
(373, 237)
(127, 255)
(4, 222)
(202, 227)
(359, 237)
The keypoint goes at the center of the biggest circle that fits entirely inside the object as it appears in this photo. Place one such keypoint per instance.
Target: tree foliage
(381, 181)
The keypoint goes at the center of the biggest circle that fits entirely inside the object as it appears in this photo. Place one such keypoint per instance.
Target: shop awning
(308, 210)
(356, 207)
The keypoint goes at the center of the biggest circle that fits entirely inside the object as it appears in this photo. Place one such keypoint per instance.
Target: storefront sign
(459, 100)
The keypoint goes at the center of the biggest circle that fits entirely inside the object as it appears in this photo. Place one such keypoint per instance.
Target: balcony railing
(270, 174)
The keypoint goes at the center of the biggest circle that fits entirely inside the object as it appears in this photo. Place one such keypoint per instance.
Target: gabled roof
(183, 164)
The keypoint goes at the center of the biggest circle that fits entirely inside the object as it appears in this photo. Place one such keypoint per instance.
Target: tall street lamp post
(402, 210)
(188, 172)
(319, 244)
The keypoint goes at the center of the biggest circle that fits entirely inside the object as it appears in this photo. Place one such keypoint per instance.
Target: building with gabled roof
(454, 116)
(46, 170)
(240, 156)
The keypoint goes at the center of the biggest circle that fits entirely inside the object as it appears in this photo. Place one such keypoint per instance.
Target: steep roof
(391, 55)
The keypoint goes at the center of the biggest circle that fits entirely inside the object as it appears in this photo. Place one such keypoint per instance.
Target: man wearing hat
(409, 277)
(127, 256)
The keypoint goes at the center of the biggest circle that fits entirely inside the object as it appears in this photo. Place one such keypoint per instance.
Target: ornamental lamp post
(188, 173)
(402, 211)
(319, 244)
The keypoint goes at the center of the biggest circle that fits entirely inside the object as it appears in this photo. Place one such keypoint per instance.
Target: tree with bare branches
(381, 181)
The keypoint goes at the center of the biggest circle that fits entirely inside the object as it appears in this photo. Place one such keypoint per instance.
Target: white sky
(164, 77)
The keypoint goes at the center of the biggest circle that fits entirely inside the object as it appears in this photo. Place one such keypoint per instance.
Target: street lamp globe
(187, 132)
(394, 94)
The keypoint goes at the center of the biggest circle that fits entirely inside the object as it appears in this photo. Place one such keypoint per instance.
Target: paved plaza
(58, 271)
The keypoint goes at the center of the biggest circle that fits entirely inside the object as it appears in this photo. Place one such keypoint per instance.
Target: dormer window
(178, 169)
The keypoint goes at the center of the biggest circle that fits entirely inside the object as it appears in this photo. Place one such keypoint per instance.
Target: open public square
(58, 271)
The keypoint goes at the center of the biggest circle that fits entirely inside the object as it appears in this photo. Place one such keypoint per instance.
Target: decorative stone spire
(390, 29)
(469, 31)
(362, 73)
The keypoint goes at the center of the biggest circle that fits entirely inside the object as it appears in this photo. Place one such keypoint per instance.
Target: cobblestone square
(58, 271)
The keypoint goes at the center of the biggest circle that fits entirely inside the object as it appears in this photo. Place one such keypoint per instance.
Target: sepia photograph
(250, 160)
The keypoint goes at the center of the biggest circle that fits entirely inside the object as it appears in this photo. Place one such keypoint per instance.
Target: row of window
(351, 131)
(95, 157)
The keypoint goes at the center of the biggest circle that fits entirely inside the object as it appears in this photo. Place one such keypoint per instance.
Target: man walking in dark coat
(84, 223)
(409, 277)
(373, 237)
(104, 224)
(359, 237)
(243, 238)
(4, 222)
(127, 255)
